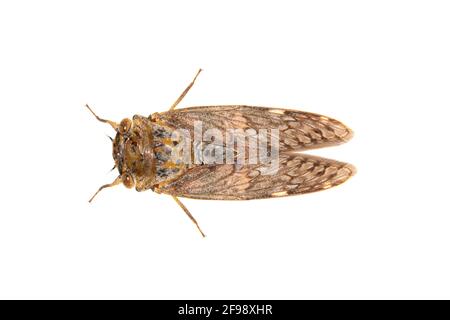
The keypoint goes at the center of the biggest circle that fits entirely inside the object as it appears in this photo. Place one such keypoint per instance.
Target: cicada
(218, 164)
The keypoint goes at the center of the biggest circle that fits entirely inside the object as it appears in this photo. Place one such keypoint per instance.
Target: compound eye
(128, 180)
(125, 125)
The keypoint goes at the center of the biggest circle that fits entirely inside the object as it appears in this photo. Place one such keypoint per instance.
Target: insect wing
(298, 130)
(295, 174)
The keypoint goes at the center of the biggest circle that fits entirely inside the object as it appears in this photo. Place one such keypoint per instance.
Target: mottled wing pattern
(297, 174)
(298, 130)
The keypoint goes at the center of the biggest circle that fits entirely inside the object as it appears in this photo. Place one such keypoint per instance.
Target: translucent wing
(296, 174)
(298, 130)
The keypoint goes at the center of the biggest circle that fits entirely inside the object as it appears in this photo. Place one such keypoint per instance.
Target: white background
(382, 67)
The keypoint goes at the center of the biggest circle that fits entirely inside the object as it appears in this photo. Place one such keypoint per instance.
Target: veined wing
(298, 130)
(296, 174)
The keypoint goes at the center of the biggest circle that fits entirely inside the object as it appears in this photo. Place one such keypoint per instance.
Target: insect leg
(111, 123)
(114, 183)
(185, 91)
(188, 213)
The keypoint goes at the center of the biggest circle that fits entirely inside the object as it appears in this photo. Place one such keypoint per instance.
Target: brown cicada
(227, 152)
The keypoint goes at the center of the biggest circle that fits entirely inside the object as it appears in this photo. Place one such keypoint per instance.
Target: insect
(143, 152)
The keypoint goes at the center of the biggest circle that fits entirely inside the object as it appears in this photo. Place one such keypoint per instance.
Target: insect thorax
(147, 153)
(168, 162)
